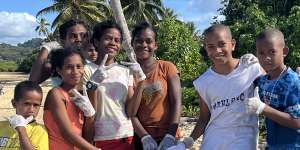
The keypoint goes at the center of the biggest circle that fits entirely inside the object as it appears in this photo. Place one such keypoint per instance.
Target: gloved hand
(167, 142)
(248, 59)
(19, 121)
(148, 143)
(254, 105)
(187, 142)
(51, 46)
(100, 74)
(135, 67)
(83, 102)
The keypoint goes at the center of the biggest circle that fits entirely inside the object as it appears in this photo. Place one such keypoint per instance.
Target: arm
(88, 128)
(40, 70)
(57, 107)
(133, 102)
(174, 94)
(202, 121)
(25, 143)
(281, 118)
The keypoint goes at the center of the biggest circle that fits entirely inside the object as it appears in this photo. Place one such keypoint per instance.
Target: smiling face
(219, 46)
(72, 70)
(29, 103)
(109, 43)
(144, 44)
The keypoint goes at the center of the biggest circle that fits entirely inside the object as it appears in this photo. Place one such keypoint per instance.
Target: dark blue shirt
(282, 94)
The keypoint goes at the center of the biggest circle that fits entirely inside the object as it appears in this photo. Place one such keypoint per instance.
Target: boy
(223, 89)
(89, 52)
(21, 131)
(279, 90)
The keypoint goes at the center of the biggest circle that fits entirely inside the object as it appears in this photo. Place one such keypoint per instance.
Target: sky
(18, 17)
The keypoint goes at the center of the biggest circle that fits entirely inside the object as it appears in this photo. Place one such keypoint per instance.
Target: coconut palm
(42, 28)
(143, 10)
(90, 11)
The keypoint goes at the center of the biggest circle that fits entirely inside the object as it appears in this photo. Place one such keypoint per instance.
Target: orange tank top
(56, 140)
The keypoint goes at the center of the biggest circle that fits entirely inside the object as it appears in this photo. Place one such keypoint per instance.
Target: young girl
(62, 117)
(113, 129)
(158, 113)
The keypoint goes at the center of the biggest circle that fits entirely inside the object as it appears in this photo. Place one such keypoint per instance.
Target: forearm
(138, 127)
(132, 104)
(25, 143)
(88, 129)
(37, 67)
(199, 129)
(78, 141)
(174, 94)
(281, 118)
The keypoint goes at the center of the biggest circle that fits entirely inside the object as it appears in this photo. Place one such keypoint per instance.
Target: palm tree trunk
(120, 19)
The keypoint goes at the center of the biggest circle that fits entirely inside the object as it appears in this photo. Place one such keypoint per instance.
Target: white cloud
(16, 27)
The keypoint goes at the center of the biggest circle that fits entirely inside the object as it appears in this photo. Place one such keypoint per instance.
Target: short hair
(271, 33)
(215, 27)
(63, 29)
(57, 58)
(141, 27)
(25, 86)
(101, 27)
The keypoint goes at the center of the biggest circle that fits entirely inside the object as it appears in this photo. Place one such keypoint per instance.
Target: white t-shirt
(111, 121)
(229, 127)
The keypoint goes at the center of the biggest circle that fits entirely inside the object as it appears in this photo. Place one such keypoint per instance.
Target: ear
(58, 71)
(155, 47)
(285, 51)
(233, 42)
(13, 103)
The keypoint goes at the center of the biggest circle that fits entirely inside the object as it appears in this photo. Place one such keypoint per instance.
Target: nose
(78, 38)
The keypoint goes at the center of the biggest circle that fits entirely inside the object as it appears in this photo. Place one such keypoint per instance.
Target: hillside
(14, 53)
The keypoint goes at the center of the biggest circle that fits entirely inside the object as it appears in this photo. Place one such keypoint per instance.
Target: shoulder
(292, 78)
(166, 64)
(167, 67)
(203, 78)
(36, 127)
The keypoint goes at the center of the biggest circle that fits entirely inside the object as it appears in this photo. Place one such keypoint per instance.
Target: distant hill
(14, 53)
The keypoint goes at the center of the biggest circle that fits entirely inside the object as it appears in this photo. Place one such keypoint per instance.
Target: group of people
(98, 103)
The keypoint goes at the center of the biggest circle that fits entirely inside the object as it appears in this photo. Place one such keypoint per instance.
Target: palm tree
(42, 28)
(143, 10)
(90, 11)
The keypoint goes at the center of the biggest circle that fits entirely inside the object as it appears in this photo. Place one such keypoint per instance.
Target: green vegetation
(8, 66)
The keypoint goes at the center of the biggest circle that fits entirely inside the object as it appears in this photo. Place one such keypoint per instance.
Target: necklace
(272, 95)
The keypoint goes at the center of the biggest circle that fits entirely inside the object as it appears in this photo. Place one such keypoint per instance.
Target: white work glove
(83, 102)
(167, 142)
(100, 74)
(254, 105)
(19, 121)
(51, 46)
(148, 143)
(248, 59)
(187, 142)
(135, 67)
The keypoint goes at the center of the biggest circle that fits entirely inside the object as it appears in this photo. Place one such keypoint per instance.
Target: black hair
(141, 27)
(271, 33)
(100, 28)
(63, 29)
(215, 27)
(26, 86)
(57, 58)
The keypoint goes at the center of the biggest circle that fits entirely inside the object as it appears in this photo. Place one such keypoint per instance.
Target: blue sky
(18, 19)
